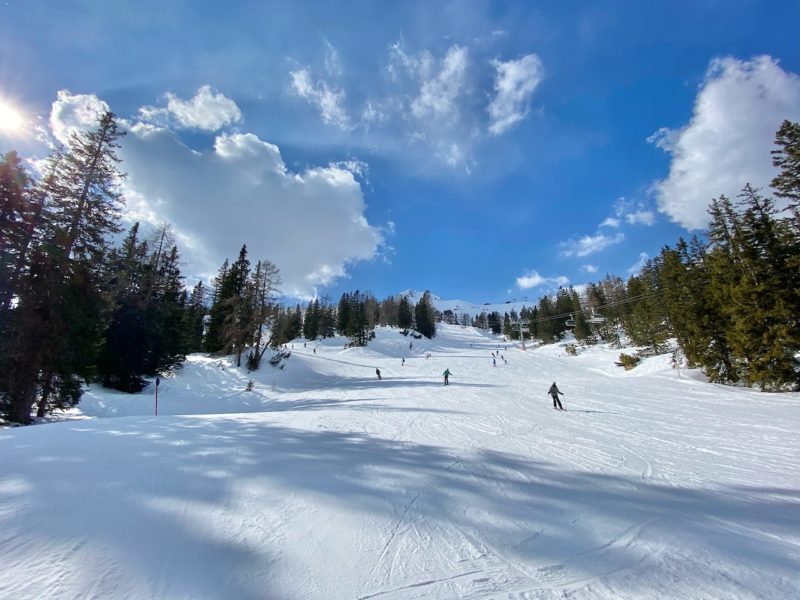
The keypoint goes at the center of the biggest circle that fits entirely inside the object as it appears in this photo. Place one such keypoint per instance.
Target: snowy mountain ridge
(473, 309)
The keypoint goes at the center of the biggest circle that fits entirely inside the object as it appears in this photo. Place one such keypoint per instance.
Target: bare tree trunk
(42, 411)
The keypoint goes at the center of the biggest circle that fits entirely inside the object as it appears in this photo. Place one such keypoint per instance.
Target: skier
(494, 362)
(554, 392)
(402, 362)
(378, 373)
(446, 376)
(315, 350)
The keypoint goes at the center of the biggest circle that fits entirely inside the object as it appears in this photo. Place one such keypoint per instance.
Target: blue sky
(485, 151)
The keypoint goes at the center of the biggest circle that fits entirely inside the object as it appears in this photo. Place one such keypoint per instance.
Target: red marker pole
(158, 380)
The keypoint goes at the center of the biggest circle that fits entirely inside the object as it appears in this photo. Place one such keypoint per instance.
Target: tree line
(730, 298)
(74, 307)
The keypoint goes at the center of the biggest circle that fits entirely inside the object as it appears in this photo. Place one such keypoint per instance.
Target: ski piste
(323, 482)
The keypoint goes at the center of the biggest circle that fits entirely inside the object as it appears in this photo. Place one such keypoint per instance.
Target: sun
(10, 119)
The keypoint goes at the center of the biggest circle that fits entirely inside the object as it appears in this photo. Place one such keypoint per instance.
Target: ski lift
(524, 325)
(570, 323)
(596, 319)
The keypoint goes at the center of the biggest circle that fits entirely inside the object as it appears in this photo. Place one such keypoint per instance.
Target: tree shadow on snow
(546, 524)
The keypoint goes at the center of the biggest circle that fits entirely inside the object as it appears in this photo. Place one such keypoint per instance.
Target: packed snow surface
(324, 482)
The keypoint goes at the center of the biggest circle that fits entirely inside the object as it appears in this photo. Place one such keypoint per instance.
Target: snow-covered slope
(324, 482)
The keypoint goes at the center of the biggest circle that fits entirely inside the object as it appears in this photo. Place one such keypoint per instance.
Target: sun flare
(10, 119)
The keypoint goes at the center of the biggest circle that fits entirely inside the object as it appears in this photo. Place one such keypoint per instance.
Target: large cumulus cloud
(311, 224)
(728, 140)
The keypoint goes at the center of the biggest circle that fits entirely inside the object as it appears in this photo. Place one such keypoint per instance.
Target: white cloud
(310, 223)
(205, 111)
(429, 107)
(728, 140)
(621, 206)
(635, 268)
(439, 92)
(532, 279)
(74, 112)
(328, 100)
(333, 64)
(589, 268)
(632, 212)
(610, 222)
(373, 113)
(590, 244)
(402, 63)
(645, 217)
(515, 82)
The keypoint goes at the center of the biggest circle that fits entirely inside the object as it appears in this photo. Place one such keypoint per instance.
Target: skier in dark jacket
(554, 392)
(378, 373)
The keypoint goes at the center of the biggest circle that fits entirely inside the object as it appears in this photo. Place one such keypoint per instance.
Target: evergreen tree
(389, 312)
(264, 284)
(194, 318)
(213, 337)
(230, 316)
(548, 328)
(146, 332)
(14, 220)
(405, 319)
(327, 318)
(424, 316)
(764, 305)
(371, 310)
(358, 329)
(787, 158)
(646, 321)
(494, 322)
(53, 339)
(695, 316)
(343, 314)
(506, 325)
(311, 321)
(581, 331)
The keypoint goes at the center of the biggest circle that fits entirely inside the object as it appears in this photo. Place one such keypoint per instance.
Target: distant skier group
(553, 391)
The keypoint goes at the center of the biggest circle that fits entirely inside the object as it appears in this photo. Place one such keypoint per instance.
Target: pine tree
(146, 334)
(311, 321)
(764, 304)
(14, 217)
(494, 322)
(787, 159)
(424, 316)
(388, 312)
(327, 318)
(194, 318)
(343, 314)
(506, 325)
(236, 305)
(548, 328)
(213, 337)
(57, 328)
(405, 318)
(646, 321)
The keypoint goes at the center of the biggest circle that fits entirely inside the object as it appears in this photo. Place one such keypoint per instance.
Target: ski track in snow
(324, 482)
